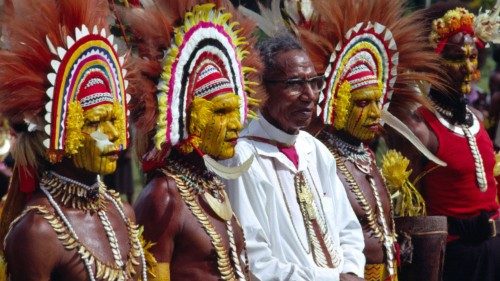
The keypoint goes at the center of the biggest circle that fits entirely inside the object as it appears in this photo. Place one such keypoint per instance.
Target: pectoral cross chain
(306, 198)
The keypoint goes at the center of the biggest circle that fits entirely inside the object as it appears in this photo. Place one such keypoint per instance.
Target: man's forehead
(99, 111)
(461, 43)
(367, 93)
(294, 62)
(228, 99)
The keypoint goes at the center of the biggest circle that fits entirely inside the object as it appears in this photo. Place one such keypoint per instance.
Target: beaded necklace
(120, 270)
(471, 140)
(73, 194)
(443, 111)
(359, 154)
(378, 225)
(192, 182)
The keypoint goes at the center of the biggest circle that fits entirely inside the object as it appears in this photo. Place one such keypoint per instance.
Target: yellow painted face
(363, 121)
(217, 123)
(100, 148)
(460, 61)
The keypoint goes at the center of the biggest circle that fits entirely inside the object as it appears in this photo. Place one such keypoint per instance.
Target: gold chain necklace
(70, 240)
(309, 207)
(190, 185)
(308, 248)
(378, 226)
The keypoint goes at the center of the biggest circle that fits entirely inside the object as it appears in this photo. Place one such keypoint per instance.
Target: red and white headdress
(59, 59)
(205, 54)
(207, 37)
(353, 41)
(87, 72)
(367, 56)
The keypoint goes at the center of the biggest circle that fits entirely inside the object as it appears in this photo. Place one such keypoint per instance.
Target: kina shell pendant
(222, 209)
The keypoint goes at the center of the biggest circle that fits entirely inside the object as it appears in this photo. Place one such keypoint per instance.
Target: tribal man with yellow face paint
(68, 108)
(101, 134)
(465, 191)
(201, 106)
(219, 134)
(357, 122)
(368, 67)
(363, 121)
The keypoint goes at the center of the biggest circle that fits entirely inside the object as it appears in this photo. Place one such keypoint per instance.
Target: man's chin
(103, 171)
(365, 135)
(302, 123)
(226, 154)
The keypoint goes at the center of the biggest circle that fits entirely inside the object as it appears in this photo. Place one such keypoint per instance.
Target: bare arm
(32, 249)
(396, 141)
(349, 277)
(158, 210)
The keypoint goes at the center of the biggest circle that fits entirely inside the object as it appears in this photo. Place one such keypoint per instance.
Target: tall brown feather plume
(252, 60)
(25, 62)
(151, 40)
(24, 65)
(416, 61)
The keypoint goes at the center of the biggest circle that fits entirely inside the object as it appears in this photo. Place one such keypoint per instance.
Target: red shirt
(453, 190)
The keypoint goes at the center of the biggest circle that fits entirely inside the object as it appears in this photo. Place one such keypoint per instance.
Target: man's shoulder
(32, 244)
(31, 227)
(160, 193)
(161, 186)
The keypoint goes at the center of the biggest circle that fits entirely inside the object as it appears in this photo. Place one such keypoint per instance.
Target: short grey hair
(270, 47)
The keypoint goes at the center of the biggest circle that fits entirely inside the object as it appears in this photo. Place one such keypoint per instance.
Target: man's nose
(374, 110)
(110, 130)
(308, 93)
(469, 67)
(234, 123)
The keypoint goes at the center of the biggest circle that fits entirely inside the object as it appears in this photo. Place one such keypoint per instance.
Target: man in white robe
(297, 220)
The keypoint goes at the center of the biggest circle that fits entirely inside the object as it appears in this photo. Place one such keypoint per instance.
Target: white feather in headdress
(487, 25)
(282, 15)
(299, 10)
(270, 20)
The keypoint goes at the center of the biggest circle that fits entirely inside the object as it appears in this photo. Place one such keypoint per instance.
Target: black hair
(270, 47)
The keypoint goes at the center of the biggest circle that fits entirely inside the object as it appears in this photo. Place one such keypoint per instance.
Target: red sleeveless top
(453, 190)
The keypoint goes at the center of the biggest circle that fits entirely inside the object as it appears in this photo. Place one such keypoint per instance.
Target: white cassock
(275, 233)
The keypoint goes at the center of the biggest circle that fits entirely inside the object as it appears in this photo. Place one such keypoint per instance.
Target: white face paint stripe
(102, 140)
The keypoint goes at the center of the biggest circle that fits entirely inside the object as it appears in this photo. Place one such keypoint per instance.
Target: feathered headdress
(281, 15)
(58, 59)
(202, 50)
(484, 28)
(360, 43)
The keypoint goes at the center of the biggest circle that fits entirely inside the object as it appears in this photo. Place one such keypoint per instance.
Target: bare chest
(367, 193)
(206, 244)
(102, 247)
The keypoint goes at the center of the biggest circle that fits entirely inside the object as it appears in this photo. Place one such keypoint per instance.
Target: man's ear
(199, 114)
(74, 123)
